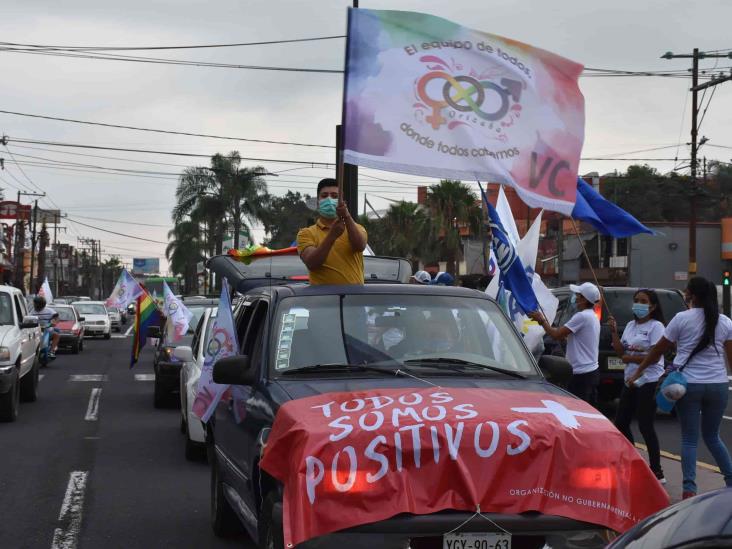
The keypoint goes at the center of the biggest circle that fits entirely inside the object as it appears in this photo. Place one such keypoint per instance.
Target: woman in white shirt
(639, 400)
(703, 341)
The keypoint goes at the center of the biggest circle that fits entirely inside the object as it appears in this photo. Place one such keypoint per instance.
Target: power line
(114, 232)
(198, 46)
(169, 132)
(122, 221)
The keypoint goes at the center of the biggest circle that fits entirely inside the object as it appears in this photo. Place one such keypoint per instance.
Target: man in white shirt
(582, 333)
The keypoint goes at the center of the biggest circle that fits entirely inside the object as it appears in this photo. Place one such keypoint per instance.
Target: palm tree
(184, 251)
(407, 226)
(452, 205)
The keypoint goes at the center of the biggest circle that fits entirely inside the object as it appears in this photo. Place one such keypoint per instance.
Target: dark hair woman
(638, 400)
(703, 340)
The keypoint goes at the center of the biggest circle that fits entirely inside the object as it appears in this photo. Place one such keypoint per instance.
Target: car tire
(182, 426)
(81, 344)
(108, 335)
(29, 383)
(10, 402)
(76, 347)
(224, 521)
(270, 532)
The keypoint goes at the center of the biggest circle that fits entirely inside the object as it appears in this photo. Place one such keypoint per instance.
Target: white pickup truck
(20, 337)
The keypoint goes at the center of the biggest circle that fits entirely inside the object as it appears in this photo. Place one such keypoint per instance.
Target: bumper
(68, 339)
(96, 330)
(528, 530)
(7, 376)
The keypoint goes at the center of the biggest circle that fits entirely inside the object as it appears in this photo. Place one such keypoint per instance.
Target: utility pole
(19, 241)
(695, 56)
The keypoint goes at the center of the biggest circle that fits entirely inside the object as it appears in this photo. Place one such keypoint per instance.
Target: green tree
(184, 251)
(452, 205)
(284, 216)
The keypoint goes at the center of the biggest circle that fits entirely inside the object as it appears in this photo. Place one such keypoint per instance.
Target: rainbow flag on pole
(146, 315)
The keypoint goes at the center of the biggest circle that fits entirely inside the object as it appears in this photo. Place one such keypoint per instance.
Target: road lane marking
(88, 377)
(92, 411)
(41, 376)
(144, 377)
(674, 457)
(66, 536)
(129, 330)
(727, 417)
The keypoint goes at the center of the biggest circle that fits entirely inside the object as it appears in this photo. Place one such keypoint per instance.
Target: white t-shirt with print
(708, 365)
(638, 338)
(583, 344)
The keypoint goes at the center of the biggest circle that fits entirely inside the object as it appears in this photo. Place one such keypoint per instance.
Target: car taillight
(76, 328)
(600, 478)
(598, 310)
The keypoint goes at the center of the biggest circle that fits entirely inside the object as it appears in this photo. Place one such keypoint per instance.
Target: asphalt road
(68, 480)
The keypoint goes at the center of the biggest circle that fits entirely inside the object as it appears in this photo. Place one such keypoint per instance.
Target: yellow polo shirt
(342, 266)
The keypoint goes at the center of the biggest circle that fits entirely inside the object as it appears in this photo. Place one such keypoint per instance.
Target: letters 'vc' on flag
(426, 96)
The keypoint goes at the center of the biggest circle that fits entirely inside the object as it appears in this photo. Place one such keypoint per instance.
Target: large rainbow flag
(146, 315)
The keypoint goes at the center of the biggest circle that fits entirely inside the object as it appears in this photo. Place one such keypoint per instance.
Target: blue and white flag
(513, 275)
(178, 315)
(221, 343)
(606, 217)
(126, 291)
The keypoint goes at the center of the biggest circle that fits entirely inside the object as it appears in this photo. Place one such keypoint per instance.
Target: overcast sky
(622, 114)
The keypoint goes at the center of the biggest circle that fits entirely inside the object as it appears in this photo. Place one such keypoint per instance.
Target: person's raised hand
(342, 211)
(537, 316)
(613, 324)
(337, 228)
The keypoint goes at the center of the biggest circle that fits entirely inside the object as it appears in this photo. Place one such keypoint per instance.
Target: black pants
(584, 386)
(640, 403)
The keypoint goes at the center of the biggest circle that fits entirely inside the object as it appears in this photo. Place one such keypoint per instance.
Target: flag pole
(340, 168)
(589, 263)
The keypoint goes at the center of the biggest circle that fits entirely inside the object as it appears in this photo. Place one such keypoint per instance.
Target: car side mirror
(555, 368)
(82, 319)
(183, 353)
(30, 322)
(234, 370)
(153, 331)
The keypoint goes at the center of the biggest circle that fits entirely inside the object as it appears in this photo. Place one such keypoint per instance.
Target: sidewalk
(708, 477)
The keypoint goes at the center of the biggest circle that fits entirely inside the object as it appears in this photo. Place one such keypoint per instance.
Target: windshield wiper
(338, 367)
(458, 362)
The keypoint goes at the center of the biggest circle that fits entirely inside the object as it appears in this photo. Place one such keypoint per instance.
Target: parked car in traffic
(20, 337)
(96, 318)
(115, 319)
(166, 365)
(301, 343)
(71, 328)
(619, 300)
(192, 358)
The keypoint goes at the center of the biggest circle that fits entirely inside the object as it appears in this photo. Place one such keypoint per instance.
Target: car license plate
(476, 541)
(615, 363)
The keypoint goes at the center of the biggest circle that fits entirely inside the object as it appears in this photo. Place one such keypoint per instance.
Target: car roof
(7, 288)
(368, 289)
(207, 302)
(89, 303)
(628, 289)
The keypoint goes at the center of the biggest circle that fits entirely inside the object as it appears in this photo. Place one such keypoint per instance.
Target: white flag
(176, 312)
(45, 291)
(125, 291)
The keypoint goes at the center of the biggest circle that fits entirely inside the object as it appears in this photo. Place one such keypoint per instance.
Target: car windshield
(390, 330)
(6, 310)
(90, 309)
(65, 313)
(197, 311)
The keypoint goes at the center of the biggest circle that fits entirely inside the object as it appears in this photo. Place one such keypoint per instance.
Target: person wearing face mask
(639, 398)
(332, 248)
(582, 333)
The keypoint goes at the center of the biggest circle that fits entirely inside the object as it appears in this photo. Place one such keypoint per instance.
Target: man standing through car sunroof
(332, 249)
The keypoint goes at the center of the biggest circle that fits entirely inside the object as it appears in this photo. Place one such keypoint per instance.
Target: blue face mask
(641, 310)
(327, 208)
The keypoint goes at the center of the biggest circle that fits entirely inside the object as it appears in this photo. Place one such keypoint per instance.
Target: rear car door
(28, 336)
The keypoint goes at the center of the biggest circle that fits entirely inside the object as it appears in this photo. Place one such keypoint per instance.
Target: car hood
(4, 331)
(303, 387)
(65, 324)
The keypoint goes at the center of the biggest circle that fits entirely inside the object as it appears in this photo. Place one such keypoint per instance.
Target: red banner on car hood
(347, 459)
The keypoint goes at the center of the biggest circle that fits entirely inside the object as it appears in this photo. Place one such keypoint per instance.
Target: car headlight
(4, 353)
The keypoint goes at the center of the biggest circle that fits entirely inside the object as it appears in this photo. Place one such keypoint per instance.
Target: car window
(65, 313)
(18, 311)
(197, 336)
(90, 309)
(258, 313)
(389, 329)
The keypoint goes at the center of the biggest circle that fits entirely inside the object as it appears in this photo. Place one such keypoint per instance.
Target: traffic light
(725, 278)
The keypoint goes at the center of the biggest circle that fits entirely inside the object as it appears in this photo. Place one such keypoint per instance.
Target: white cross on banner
(566, 417)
